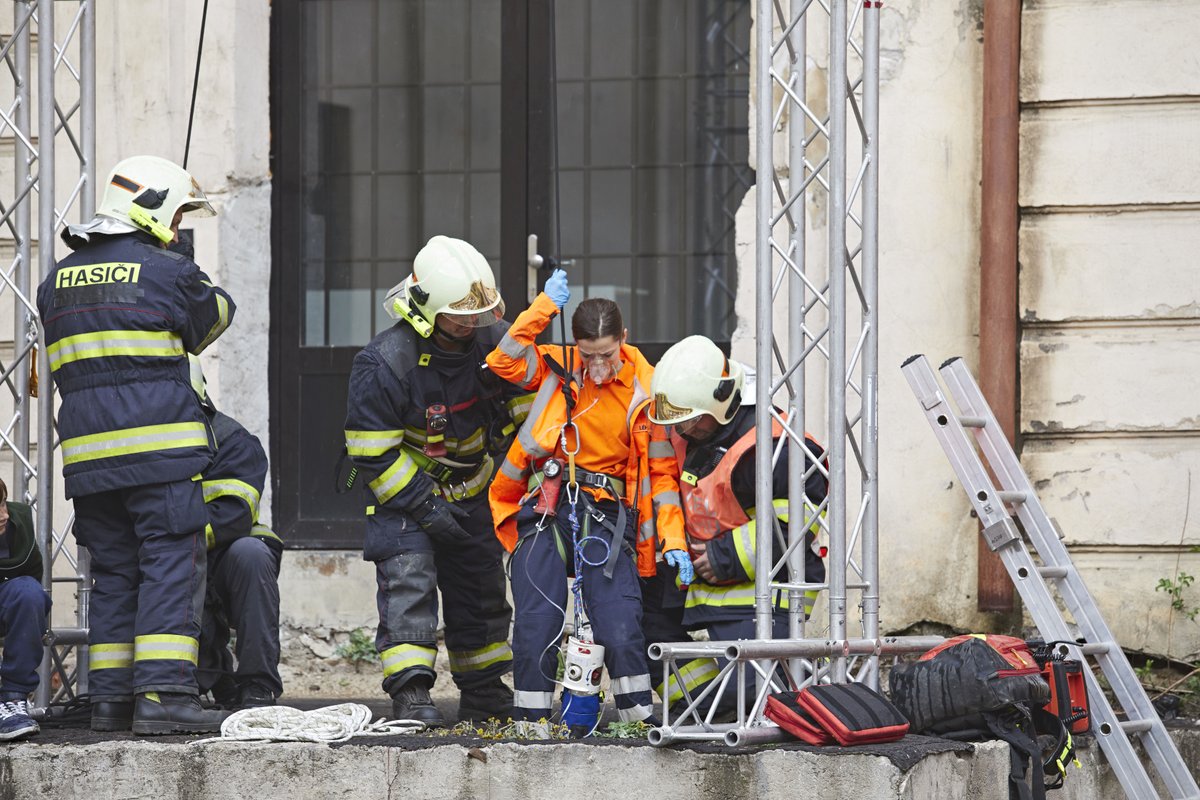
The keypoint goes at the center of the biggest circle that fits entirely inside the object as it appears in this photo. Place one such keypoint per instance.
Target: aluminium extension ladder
(1002, 534)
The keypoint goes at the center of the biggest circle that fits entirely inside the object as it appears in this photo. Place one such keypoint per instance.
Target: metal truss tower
(816, 266)
(63, 88)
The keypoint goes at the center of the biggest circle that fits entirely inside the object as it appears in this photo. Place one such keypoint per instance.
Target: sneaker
(157, 713)
(488, 700)
(412, 701)
(15, 720)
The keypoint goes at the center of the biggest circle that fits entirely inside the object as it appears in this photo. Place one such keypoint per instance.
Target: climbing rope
(329, 724)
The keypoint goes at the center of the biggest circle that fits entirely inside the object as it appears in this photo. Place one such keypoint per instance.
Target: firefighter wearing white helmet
(702, 395)
(143, 193)
(425, 420)
(450, 279)
(121, 314)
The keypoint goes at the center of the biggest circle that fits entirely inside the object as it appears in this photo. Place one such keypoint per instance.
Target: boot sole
(111, 724)
(164, 727)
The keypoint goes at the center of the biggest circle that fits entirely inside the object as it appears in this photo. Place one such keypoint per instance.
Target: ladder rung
(1095, 648)
(1137, 725)
(972, 422)
(1053, 573)
(1012, 497)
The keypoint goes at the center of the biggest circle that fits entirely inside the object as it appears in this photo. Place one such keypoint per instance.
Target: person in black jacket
(424, 420)
(24, 606)
(244, 557)
(120, 315)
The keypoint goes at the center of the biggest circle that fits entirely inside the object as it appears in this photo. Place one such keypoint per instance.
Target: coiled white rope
(329, 724)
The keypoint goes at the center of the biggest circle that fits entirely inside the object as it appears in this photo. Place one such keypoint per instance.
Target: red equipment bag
(845, 713)
(784, 711)
(854, 713)
(1068, 694)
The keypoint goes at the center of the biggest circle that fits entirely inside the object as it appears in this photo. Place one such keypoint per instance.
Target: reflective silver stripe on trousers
(635, 714)
(631, 683)
(533, 699)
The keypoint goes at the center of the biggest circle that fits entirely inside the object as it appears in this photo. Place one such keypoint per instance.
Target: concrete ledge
(418, 767)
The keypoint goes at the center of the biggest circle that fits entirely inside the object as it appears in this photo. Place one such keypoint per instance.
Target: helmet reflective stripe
(694, 377)
(135, 178)
(449, 277)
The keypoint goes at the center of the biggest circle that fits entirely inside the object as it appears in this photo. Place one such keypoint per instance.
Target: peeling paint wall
(1110, 300)
(930, 93)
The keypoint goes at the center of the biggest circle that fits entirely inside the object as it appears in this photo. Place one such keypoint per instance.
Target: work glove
(557, 288)
(679, 559)
(440, 520)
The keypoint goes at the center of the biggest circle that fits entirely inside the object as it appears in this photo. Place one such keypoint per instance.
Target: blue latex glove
(557, 288)
(680, 560)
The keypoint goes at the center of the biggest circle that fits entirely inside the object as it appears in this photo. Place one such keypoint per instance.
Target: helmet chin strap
(466, 338)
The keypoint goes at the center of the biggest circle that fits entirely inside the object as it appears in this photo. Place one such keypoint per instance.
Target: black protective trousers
(470, 577)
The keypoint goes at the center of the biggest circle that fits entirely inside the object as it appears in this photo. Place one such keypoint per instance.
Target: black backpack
(977, 687)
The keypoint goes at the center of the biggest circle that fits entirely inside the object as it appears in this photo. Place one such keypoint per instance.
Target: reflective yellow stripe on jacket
(231, 487)
(372, 443)
(394, 478)
(220, 325)
(102, 344)
(128, 441)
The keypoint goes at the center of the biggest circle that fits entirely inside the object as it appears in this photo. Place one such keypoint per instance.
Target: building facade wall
(1109, 302)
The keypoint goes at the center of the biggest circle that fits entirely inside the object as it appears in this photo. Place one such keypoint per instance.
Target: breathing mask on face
(602, 370)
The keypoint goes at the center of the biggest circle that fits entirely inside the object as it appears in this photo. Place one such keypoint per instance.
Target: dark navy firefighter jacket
(120, 316)
(233, 485)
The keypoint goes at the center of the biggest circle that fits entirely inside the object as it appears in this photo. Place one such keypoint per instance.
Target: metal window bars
(63, 87)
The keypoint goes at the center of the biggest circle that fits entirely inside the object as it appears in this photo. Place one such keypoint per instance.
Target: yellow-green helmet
(694, 377)
(449, 277)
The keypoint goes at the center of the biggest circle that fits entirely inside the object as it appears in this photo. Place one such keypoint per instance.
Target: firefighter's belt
(596, 480)
(442, 473)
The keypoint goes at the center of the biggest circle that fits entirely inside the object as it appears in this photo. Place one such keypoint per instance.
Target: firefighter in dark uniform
(698, 392)
(424, 419)
(120, 315)
(244, 557)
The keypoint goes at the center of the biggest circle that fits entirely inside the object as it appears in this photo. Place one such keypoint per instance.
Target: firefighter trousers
(476, 612)
(148, 567)
(243, 594)
(538, 569)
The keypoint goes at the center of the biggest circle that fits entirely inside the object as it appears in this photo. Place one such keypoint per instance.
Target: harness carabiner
(571, 482)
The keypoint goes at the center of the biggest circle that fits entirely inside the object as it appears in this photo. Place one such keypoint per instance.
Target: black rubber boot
(487, 700)
(112, 715)
(412, 701)
(254, 697)
(158, 713)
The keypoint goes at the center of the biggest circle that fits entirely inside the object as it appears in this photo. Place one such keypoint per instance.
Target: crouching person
(243, 570)
(24, 607)
(698, 393)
